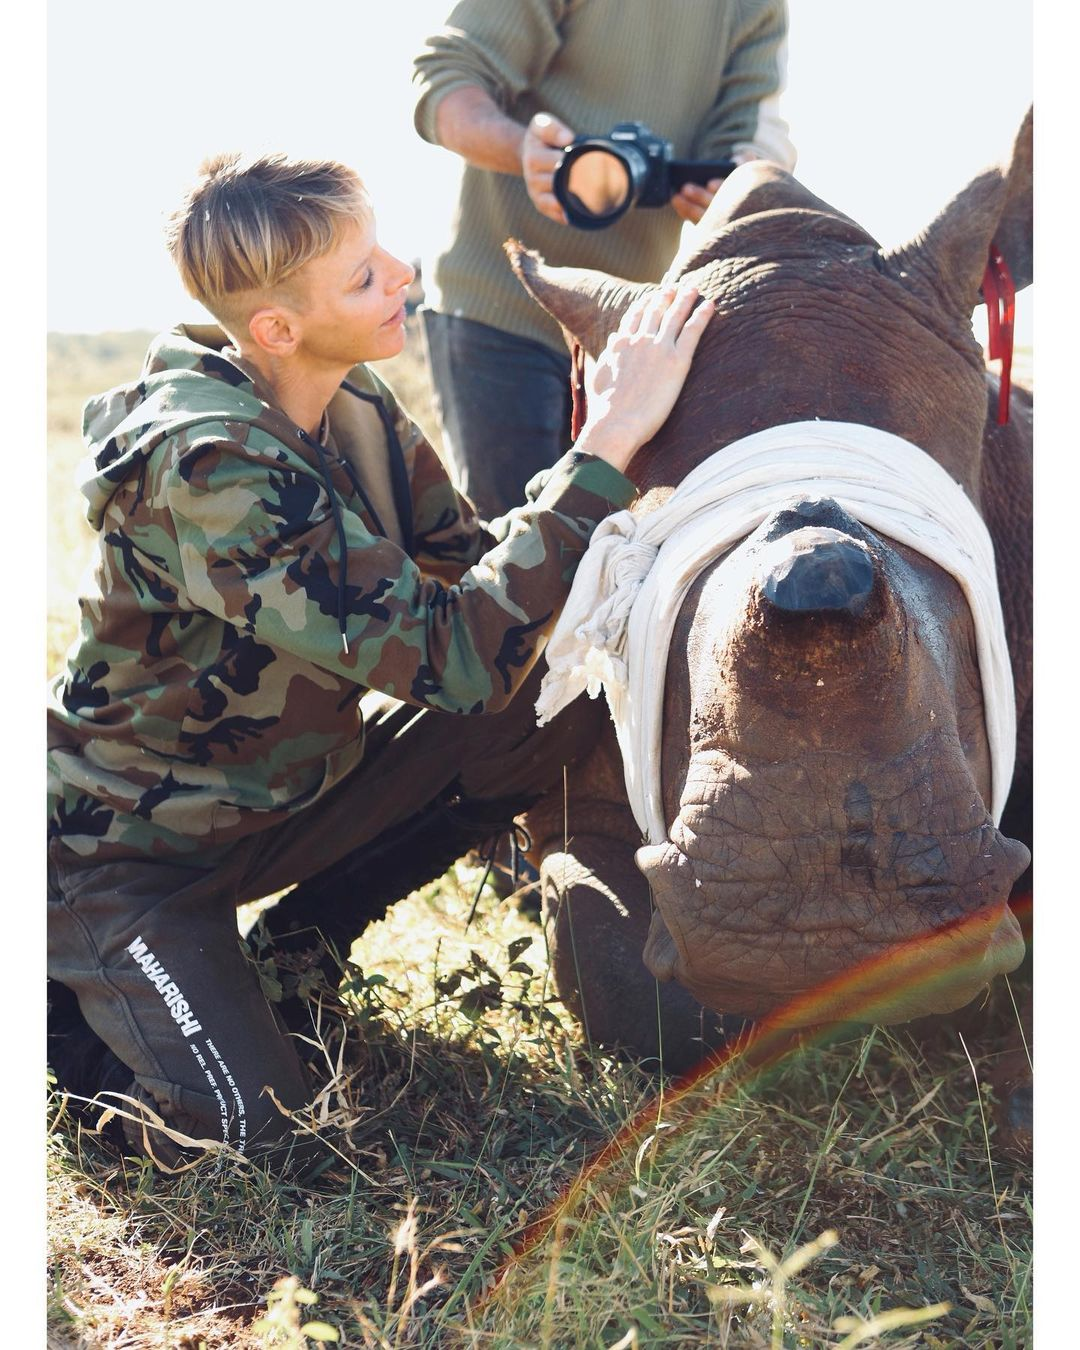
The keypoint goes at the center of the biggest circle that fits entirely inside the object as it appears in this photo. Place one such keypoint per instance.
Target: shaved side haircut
(245, 226)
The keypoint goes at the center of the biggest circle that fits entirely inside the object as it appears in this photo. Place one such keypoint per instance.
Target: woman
(289, 598)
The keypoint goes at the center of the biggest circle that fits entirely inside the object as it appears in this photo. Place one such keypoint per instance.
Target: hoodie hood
(193, 377)
(190, 375)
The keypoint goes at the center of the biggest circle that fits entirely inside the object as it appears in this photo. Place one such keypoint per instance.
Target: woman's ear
(275, 330)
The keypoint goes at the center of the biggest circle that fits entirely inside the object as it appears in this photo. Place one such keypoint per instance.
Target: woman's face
(351, 300)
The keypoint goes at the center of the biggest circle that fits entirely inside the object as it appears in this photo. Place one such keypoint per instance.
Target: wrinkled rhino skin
(825, 766)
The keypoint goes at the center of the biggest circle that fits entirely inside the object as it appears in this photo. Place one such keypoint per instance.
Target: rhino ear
(1014, 232)
(950, 255)
(588, 304)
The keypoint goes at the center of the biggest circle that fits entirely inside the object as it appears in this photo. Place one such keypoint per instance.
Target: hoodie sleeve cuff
(580, 471)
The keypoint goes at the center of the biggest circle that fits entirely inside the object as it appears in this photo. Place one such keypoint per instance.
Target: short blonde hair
(246, 225)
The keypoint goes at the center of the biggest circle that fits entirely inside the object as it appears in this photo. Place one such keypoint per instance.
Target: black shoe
(82, 1063)
(504, 867)
(508, 872)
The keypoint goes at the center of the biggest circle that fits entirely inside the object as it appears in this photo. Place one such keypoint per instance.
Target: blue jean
(504, 406)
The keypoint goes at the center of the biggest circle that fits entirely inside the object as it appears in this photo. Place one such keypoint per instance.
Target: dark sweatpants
(504, 407)
(151, 948)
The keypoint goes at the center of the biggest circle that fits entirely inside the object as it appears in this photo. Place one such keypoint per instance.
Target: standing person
(292, 627)
(507, 83)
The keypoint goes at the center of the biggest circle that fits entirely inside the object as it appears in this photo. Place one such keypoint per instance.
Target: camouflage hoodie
(252, 581)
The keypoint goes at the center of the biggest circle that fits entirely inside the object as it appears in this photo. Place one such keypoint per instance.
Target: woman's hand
(640, 373)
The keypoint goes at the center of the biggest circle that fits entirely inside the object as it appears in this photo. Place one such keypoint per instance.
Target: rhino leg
(596, 911)
(1013, 1095)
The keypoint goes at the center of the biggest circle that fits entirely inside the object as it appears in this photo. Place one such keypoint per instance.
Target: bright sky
(890, 119)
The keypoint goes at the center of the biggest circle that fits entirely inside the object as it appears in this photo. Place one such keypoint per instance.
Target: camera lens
(597, 182)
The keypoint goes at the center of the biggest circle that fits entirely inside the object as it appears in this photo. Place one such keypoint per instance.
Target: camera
(599, 178)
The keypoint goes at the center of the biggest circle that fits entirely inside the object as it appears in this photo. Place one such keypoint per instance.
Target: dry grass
(472, 1118)
(461, 1210)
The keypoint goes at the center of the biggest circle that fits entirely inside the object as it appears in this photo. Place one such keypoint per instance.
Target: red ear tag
(999, 292)
(579, 406)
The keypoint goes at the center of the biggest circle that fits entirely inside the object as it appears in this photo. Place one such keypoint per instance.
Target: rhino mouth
(821, 888)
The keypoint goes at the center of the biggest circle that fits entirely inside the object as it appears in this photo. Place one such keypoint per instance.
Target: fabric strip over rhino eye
(616, 628)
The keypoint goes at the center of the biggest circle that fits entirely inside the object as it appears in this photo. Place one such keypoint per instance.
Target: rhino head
(825, 766)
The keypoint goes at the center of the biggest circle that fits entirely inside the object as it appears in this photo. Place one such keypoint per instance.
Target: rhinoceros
(825, 778)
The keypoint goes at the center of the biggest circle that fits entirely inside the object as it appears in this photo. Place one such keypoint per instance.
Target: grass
(501, 1184)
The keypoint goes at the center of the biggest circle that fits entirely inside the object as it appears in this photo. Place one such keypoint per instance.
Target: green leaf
(308, 982)
(646, 1319)
(450, 983)
(271, 987)
(476, 1000)
(516, 947)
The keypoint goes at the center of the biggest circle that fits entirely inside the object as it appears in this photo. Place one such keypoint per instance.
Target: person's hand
(639, 374)
(692, 200)
(541, 149)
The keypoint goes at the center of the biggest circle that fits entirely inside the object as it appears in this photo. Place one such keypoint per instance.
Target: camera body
(653, 154)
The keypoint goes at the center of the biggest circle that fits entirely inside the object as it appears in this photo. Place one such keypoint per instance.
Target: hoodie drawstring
(343, 542)
(400, 479)
(399, 475)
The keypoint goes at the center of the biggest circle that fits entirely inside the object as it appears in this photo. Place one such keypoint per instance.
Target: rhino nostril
(823, 571)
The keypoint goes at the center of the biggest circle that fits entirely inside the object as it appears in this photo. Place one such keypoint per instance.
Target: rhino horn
(950, 254)
(820, 570)
(588, 303)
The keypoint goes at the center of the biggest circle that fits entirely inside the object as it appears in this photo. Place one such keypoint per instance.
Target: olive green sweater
(705, 74)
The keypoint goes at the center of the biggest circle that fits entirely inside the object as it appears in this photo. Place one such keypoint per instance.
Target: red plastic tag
(579, 405)
(999, 292)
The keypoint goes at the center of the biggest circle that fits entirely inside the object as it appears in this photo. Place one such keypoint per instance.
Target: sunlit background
(891, 107)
